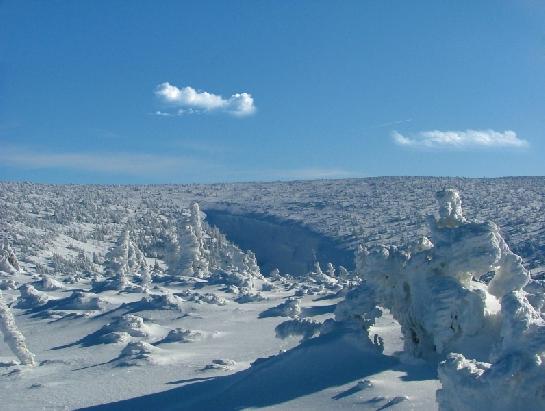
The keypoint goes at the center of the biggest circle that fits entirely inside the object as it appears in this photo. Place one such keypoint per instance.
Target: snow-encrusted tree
(432, 289)
(117, 262)
(145, 277)
(330, 269)
(196, 223)
(13, 337)
(250, 264)
(191, 261)
(8, 259)
(343, 273)
(124, 261)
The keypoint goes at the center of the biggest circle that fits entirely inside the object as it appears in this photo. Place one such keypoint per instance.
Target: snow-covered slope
(126, 297)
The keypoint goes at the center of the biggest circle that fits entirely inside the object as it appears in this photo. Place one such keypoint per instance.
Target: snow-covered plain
(124, 297)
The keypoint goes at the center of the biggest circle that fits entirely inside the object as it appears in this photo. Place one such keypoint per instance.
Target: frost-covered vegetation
(97, 280)
(466, 300)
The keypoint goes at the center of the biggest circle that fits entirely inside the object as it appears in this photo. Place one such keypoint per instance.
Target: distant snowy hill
(350, 212)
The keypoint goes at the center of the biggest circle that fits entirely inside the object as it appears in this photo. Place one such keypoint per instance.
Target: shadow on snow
(330, 360)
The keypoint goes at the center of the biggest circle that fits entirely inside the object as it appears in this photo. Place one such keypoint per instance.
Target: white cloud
(461, 139)
(190, 101)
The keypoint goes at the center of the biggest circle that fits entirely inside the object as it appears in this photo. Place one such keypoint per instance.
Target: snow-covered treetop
(8, 259)
(450, 208)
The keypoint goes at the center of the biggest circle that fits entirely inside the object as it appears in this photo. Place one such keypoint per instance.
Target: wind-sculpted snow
(494, 358)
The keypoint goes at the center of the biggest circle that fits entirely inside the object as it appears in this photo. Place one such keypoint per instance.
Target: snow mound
(165, 301)
(183, 335)
(364, 384)
(221, 364)
(122, 330)
(304, 328)
(131, 324)
(289, 308)
(48, 283)
(86, 304)
(78, 300)
(249, 297)
(208, 298)
(115, 337)
(137, 354)
(30, 297)
(232, 278)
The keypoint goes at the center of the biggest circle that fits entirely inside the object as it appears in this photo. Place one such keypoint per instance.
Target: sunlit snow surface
(198, 350)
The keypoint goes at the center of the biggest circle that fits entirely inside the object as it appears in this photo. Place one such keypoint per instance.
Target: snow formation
(489, 338)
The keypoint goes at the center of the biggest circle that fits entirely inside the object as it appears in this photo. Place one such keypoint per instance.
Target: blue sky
(170, 91)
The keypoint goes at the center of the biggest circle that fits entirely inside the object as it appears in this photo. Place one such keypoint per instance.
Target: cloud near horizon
(461, 139)
(157, 167)
(191, 101)
(134, 164)
(312, 173)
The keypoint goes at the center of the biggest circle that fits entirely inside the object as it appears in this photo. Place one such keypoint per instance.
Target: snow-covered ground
(129, 299)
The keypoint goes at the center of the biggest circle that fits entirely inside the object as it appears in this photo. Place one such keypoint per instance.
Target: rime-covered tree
(191, 261)
(8, 259)
(124, 261)
(492, 356)
(117, 262)
(145, 277)
(13, 337)
(196, 223)
(330, 270)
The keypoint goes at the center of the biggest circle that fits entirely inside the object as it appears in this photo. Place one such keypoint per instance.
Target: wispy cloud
(190, 101)
(391, 123)
(461, 139)
(103, 162)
